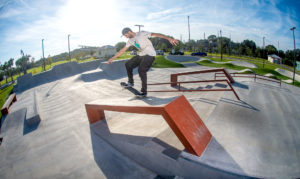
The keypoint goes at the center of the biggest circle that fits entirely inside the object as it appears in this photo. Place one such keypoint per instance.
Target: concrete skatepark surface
(258, 136)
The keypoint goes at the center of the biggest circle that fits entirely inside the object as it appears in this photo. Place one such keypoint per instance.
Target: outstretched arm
(171, 40)
(117, 54)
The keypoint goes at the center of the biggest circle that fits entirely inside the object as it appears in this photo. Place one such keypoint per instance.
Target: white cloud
(163, 13)
(11, 13)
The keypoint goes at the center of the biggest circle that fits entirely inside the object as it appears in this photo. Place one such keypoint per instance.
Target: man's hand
(173, 41)
(110, 60)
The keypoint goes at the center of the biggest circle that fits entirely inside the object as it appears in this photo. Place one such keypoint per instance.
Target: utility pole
(278, 48)
(230, 45)
(204, 35)
(221, 46)
(263, 52)
(139, 27)
(69, 47)
(293, 29)
(189, 28)
(44, 64)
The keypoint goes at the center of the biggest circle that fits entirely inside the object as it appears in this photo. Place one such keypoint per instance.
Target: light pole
(263, 52)
(189, 28)
(69, 47)
(293, 29)
(139, 26)
(44, 65)
(221, 46)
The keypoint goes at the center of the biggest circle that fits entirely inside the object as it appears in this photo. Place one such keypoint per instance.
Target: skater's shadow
(113, 164)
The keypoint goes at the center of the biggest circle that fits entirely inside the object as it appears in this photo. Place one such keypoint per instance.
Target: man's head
(127, 32)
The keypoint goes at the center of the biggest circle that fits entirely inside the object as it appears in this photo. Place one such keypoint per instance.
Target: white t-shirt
(142, 43)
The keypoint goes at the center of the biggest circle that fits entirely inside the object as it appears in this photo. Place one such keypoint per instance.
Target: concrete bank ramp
(259, 135)
(115, 70)
(180, 59)
(57, 72)
(288, 73)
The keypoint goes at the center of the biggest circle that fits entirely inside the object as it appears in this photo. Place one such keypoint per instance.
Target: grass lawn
(259, 70)
(4, 94)
(125, 55)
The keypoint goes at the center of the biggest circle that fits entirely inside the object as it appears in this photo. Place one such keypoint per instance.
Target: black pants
(144, 63)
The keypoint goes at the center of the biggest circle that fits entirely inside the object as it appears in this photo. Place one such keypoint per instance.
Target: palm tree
(5, 67)
(10, 64)
(22, 62)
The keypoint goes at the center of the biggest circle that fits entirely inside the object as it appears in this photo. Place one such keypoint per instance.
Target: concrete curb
(33, 116)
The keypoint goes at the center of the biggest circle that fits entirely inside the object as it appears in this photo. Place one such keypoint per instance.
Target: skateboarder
(145, 56)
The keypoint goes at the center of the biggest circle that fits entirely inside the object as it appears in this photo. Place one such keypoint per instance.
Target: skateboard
(132, 90)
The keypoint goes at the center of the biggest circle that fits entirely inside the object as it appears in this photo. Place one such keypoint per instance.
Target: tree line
(26, 61)
(212, 44)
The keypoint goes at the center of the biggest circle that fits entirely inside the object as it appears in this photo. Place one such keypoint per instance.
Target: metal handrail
(255, 76)
(192, 90)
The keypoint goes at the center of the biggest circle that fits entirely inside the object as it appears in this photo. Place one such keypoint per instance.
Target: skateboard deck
(131, 89)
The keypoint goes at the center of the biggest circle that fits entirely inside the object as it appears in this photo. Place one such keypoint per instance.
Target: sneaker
(127, 85)
(143, 94)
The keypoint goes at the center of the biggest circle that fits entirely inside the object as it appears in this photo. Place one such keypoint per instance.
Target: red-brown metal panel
(187, 125)
(94, 114)
(173, 80)
(179, 114)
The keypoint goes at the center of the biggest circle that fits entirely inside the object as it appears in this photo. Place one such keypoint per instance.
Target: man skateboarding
(145, 56)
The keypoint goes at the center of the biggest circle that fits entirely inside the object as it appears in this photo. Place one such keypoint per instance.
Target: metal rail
(179, 89)
(254, 76)
(174, 77)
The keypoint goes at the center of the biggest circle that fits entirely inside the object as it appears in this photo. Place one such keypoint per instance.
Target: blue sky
(24, 23)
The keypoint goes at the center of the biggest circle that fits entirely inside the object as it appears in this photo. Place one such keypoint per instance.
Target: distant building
(297, 65)
(274, 59)
(99, 52)
(106, 51)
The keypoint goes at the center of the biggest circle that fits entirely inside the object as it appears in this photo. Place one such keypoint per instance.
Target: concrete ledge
(12, 98)
(33, 116)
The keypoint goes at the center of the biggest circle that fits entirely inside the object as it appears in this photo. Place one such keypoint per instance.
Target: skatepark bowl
(75, 121)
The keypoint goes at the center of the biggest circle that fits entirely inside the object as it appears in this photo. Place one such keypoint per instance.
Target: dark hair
(125, 30)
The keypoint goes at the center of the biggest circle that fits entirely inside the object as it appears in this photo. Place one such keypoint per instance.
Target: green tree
(23, 61)
(248, 51)
(120, 45)
(10, 63)
(258, 52)
(270, 49)
(5, 68)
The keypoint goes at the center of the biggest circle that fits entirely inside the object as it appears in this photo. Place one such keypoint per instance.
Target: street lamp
(221, 46)
(263, 52)
(44, 66)
(69, 46)
(293, 29)
(189, 28)
(139, 27)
